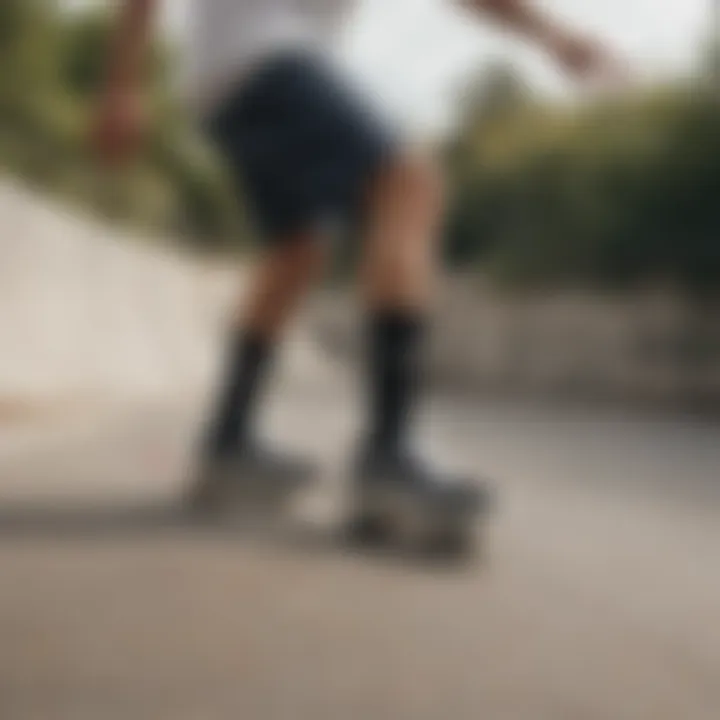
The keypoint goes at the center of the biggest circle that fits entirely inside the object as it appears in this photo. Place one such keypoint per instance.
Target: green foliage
(52, 65)
(614, 193)
(617, 192)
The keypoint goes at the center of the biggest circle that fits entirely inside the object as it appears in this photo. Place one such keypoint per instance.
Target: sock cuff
(248, 344)
(403, 323)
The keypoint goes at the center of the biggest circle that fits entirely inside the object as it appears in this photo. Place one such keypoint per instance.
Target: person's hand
(119, 126)
(586, 59)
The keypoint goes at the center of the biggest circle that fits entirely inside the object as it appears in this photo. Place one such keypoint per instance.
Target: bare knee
(412, 183)
(281, 278)
(401, 250)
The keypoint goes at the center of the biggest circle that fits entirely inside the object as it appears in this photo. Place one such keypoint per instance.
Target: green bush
(618, 193)
(51, 69)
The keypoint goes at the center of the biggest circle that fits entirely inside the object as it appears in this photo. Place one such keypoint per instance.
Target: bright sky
(415, 53)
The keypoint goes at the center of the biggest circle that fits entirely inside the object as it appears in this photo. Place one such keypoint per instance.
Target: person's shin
(278, 286)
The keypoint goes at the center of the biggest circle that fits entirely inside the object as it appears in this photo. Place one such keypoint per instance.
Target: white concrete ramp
(86, 312)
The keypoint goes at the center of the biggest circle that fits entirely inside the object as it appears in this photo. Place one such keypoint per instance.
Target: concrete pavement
(598, 597)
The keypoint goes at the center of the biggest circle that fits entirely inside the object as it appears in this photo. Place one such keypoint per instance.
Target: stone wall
(86, 312)
(648, 346)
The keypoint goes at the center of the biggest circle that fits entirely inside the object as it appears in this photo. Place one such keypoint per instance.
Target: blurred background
(588, 220)
(576, 360)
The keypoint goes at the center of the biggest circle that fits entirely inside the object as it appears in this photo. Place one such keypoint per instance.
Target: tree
(618, 192)
(51, 68)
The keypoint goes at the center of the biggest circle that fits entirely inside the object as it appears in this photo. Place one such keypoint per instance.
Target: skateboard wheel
(368, 530)
(457, 544)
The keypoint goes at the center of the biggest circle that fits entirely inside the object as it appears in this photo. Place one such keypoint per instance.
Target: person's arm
(119, 121)
(131, 41)
(576, 52)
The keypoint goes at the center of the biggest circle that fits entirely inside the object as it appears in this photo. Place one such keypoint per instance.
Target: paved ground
(598, 598)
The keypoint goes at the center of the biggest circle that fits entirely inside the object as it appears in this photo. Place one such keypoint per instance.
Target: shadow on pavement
(173, 522)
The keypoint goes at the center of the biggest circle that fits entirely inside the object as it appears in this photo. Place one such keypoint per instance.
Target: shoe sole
(386, 516)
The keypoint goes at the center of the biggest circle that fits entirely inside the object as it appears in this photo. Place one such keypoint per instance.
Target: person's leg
(233, 457)
(398, 275)
(279, 282)
(297, 150)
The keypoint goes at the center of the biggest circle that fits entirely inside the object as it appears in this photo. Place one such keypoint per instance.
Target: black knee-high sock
(395, 339)
(245, 369)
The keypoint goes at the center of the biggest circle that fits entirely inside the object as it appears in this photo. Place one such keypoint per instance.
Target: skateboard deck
(327, 510)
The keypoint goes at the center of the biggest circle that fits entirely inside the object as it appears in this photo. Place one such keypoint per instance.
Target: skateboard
(331, 508)
(387, 518)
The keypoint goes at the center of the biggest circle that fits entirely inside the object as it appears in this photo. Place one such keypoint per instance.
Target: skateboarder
(308, 152)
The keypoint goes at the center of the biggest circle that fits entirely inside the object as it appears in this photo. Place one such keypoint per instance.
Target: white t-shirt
(227, 37)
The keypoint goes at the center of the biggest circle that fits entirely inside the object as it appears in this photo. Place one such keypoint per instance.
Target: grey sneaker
(390, 488)
(253, 474)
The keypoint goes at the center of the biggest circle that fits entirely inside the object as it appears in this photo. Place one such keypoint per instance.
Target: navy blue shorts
(301, 146)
